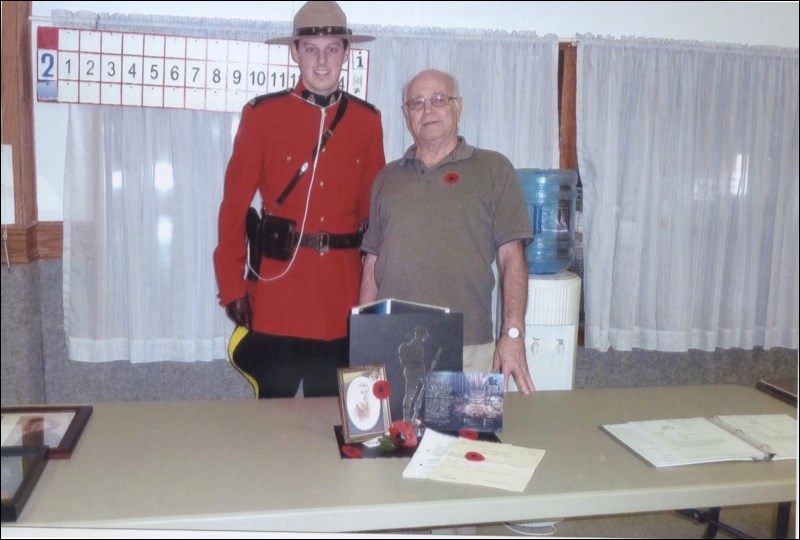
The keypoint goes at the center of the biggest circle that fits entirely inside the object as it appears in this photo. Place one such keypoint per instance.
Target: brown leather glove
(239, 312)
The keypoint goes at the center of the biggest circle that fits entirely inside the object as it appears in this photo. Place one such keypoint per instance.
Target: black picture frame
(22, 466)
(54, 427)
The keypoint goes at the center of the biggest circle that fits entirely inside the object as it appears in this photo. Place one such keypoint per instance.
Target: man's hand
(510, 360)
(239, 312)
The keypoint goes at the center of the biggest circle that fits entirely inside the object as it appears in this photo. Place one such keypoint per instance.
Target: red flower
(382, 389)
(451, 178)
(351, 451)
(402, 434)
(474, 456)
(468, 434)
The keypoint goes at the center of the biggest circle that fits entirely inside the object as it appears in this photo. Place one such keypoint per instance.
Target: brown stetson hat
(321, 19)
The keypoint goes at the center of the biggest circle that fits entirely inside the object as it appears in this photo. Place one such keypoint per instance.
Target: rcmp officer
(312, 153)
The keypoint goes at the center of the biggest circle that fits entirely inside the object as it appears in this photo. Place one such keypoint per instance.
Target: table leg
(782, 520)
(713, 524)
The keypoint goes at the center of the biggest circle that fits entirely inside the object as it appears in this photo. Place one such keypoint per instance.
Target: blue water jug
(550, 196)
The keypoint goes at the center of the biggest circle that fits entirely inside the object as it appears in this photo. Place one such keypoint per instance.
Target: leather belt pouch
(277, 236)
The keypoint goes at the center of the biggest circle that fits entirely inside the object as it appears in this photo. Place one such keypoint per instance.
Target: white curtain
(509, 83)
(140, 205)
(143, 186)
(688, 154)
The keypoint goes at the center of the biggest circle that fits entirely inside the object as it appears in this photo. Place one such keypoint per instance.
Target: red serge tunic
(276, 135)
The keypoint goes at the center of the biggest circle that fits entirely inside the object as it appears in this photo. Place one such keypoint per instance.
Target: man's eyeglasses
(437, 101)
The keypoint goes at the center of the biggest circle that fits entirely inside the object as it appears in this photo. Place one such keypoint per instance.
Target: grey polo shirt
(436, 232)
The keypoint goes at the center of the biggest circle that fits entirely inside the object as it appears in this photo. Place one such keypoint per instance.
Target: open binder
(689, 441)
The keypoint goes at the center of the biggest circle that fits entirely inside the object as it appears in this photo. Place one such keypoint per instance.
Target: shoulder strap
(264, 97)
(303, 168)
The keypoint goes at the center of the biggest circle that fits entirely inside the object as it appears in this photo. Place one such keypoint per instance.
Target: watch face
(513, 332)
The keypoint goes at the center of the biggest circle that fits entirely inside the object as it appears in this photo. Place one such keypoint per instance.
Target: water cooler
(551, 329)
(554, 293)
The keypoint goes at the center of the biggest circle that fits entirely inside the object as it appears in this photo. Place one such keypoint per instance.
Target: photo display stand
(411, 341)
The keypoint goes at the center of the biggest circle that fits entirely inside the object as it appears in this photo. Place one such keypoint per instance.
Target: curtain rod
(49, 19)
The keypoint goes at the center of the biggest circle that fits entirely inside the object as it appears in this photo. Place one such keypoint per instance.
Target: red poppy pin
(402, 434)
(351, 451)
(468, 434)
(382, 389)
(474, 456)
(451, 178)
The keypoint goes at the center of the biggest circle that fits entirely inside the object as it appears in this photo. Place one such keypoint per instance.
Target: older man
(439, 217)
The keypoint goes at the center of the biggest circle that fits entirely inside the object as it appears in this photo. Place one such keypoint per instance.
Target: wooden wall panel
(24, 235)
(567, 66)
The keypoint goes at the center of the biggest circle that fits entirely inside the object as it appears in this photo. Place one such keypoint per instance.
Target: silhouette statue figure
(412, 357)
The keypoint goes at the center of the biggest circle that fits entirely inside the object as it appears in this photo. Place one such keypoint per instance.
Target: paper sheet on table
(432, 448)
(504, 466)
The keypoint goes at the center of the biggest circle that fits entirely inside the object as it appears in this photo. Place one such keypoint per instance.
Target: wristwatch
(514, 332)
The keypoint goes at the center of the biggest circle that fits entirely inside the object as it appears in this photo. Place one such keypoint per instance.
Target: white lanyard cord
(308, 202)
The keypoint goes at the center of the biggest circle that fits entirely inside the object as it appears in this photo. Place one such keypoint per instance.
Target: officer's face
(430, 123)
(320, 60)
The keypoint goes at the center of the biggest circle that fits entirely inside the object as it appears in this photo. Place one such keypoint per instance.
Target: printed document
(467, 461)
(432, 448)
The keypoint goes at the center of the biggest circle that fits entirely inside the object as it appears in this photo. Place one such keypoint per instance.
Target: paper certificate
(431, 450)
(466, 461)
(503, 466)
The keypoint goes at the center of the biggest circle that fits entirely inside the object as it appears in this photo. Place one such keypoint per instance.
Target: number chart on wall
(150, 70)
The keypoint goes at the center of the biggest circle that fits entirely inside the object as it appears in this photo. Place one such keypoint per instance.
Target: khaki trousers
(479, 357)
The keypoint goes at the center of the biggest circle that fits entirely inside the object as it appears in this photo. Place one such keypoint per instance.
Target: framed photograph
(22, 466)
(364, 403)
(56, 428)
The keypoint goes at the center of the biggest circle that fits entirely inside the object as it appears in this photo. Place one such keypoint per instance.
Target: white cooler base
(551, 330)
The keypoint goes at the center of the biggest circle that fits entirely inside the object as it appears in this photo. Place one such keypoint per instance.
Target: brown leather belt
(323, 241)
